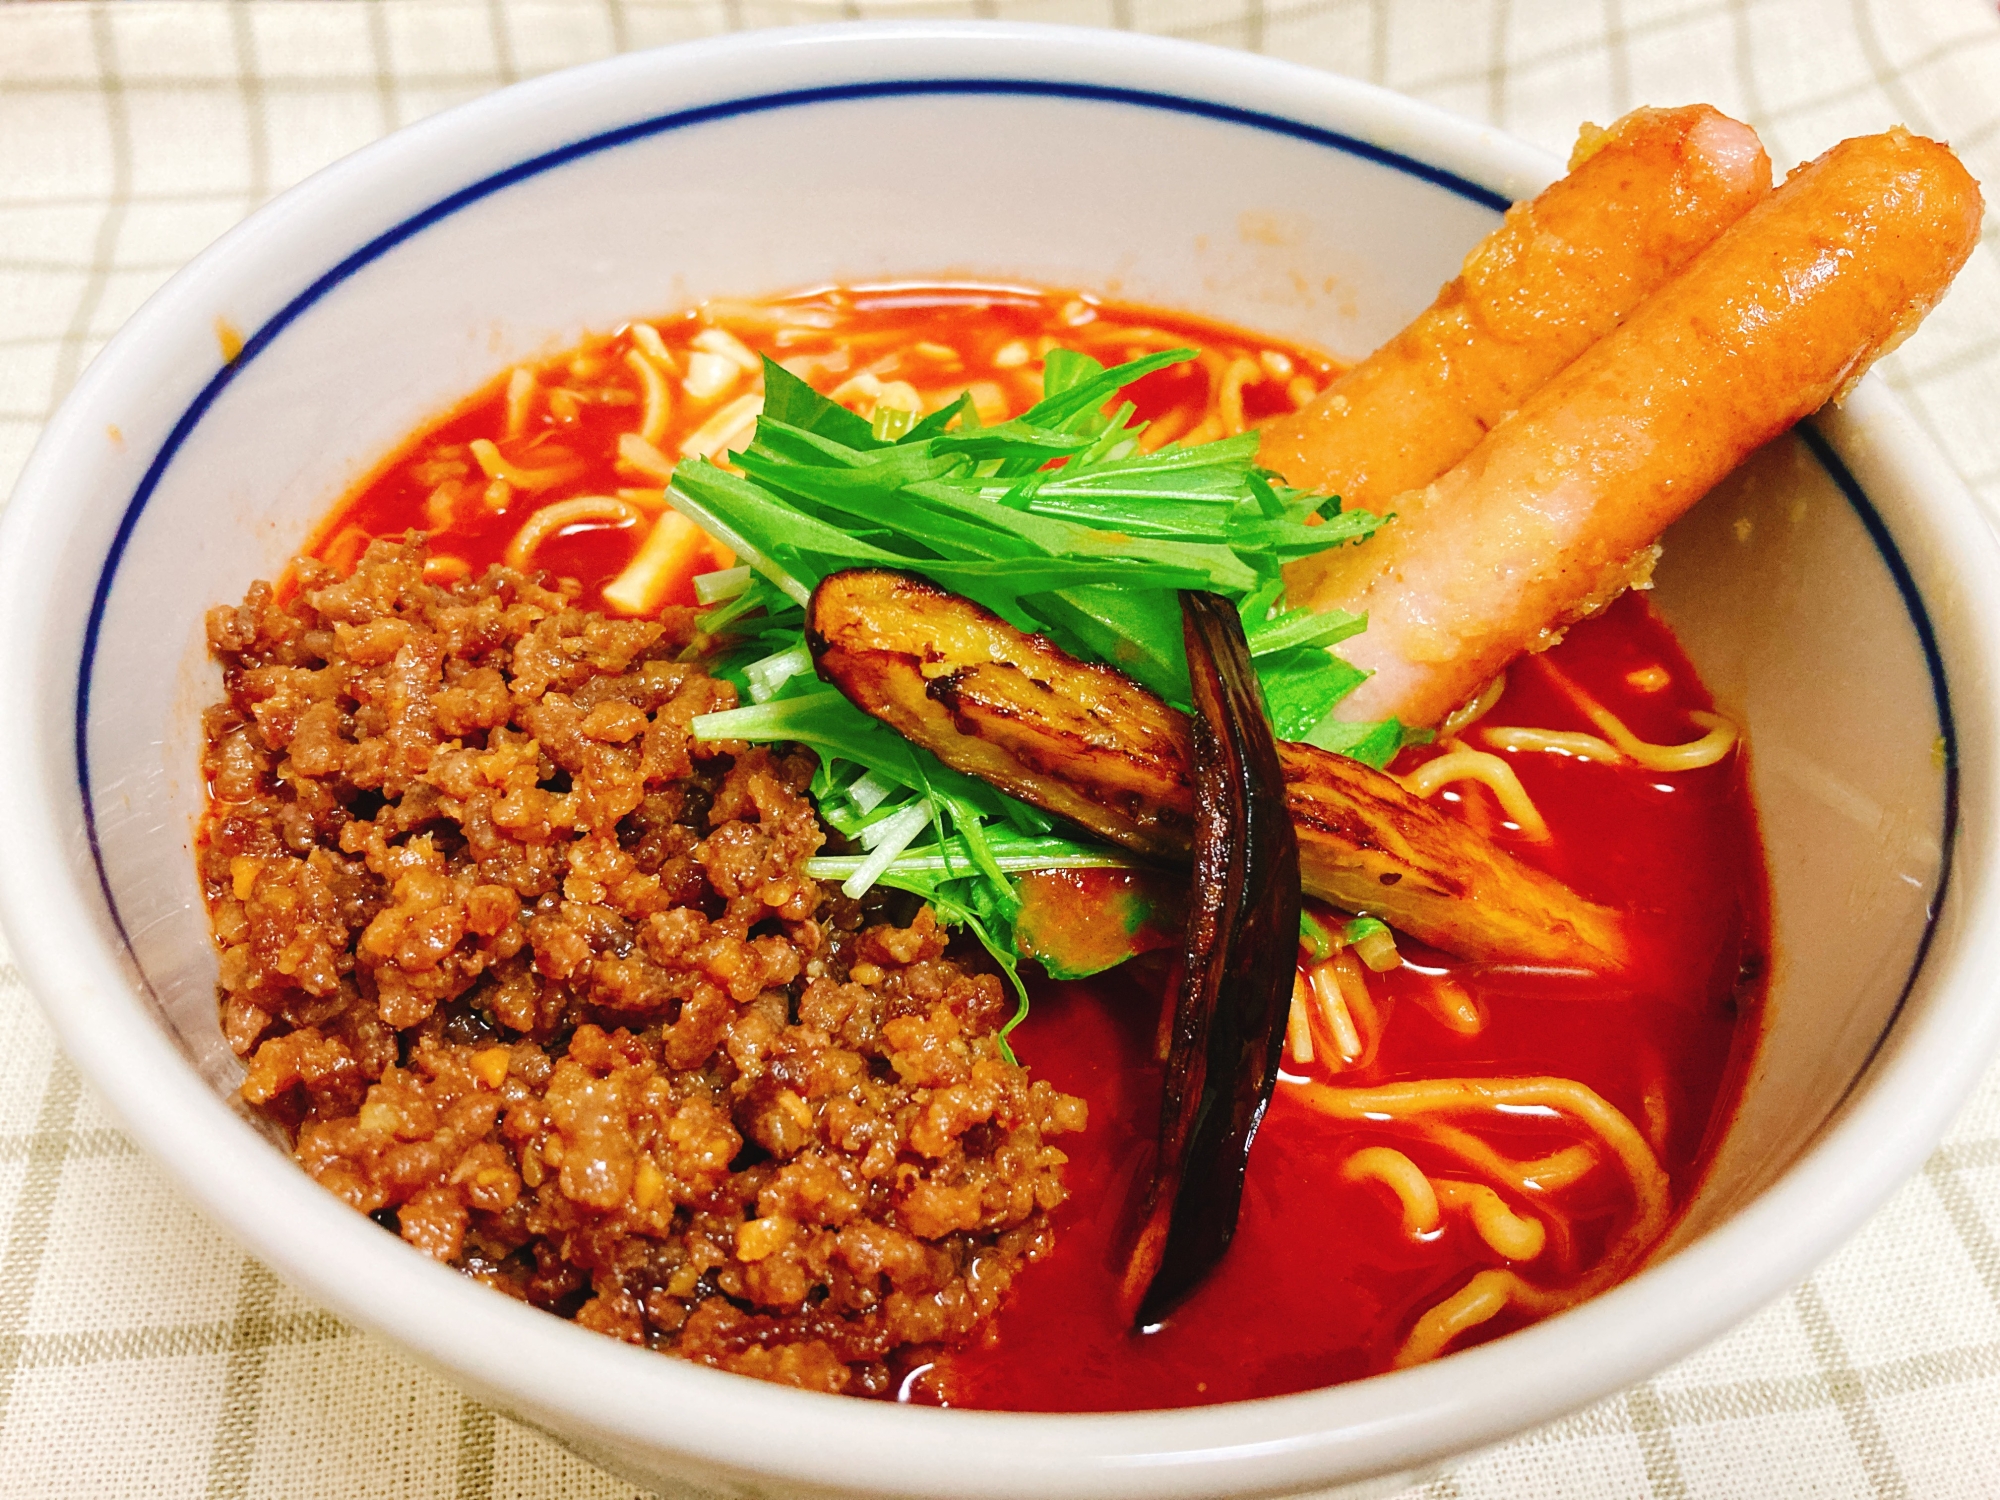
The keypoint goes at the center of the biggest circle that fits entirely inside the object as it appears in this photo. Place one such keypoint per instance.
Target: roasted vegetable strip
(1087, 744)
(1015, 710)
(1236, 973)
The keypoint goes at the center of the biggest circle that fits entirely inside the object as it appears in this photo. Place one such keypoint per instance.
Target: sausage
(1641, 199)
(1556, 511)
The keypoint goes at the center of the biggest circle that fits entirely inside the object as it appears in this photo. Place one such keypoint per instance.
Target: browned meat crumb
(530, 974)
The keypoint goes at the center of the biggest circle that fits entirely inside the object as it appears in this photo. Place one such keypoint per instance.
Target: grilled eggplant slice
(1086, 743)
(1237, 971)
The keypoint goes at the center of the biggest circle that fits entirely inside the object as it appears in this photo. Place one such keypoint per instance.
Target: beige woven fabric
(142, 1356)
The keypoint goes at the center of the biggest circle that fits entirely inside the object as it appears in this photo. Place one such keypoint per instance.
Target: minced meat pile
(539, 981)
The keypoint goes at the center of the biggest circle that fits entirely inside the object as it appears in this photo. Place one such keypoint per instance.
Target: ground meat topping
(537, 979)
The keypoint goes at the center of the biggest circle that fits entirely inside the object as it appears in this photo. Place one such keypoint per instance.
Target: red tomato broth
(995, 336)
(1322, 1284)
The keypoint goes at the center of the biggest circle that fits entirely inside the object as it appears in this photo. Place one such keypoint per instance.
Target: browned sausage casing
(1550, 516)
(1641, 199)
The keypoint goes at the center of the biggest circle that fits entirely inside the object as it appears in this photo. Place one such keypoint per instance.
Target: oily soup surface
(689, 1166)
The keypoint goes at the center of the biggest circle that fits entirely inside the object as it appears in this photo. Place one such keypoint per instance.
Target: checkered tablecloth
(143, 1356)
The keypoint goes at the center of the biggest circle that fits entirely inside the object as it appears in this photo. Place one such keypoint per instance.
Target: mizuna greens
(1057, 522)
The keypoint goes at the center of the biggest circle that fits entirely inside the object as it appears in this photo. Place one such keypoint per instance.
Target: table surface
(141, 1355)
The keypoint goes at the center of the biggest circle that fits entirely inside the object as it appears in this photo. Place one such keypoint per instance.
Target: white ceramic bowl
(1839, 597)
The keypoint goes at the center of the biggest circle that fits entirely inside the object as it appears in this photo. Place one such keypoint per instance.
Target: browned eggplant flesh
(1086, 743)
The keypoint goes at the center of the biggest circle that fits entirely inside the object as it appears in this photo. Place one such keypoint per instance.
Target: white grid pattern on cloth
(142, 1356)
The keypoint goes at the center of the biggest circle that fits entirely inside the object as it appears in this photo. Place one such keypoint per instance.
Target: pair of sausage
(1611, 352)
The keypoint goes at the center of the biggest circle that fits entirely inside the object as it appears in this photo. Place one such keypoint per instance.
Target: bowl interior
(409, 281)
(1758, 582)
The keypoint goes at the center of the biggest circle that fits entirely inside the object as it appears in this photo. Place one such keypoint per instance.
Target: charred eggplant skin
(1088, 744)
(1240, 953)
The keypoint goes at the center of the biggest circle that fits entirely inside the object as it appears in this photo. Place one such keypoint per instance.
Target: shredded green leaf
(1363, 927)
(1056, 522)
(1319, 940)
